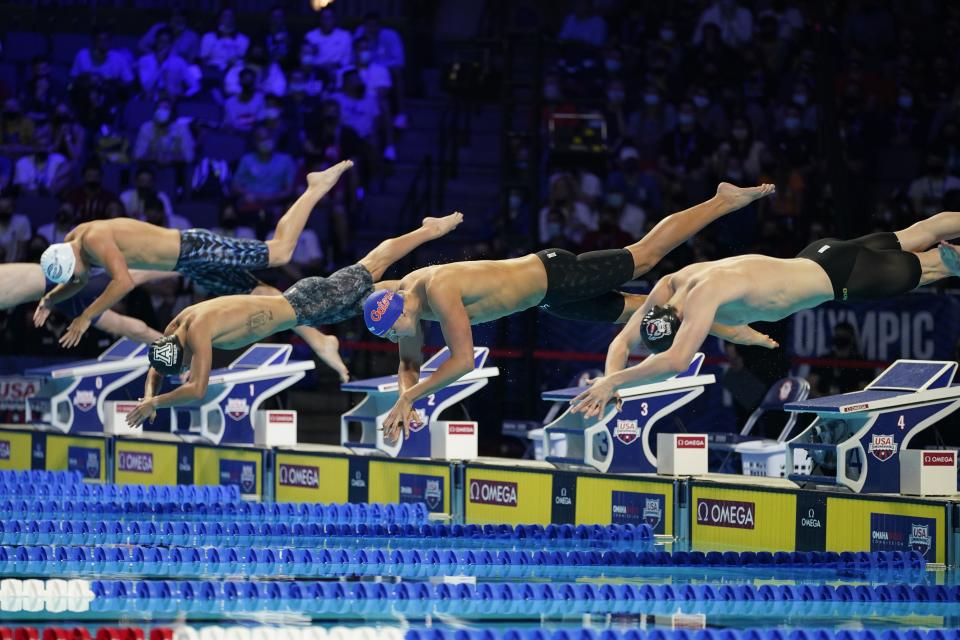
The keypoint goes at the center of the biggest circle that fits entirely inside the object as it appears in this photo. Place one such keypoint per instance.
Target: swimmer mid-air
(677, 315)
(23, 282)
(231, 322)
(220, 264)
(582, 287)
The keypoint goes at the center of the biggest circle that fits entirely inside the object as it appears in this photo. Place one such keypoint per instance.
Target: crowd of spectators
(186, 126)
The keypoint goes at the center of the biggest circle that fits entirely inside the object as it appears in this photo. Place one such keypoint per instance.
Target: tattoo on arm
(258, 319)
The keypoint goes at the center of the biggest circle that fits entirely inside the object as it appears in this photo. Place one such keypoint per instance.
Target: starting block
(228, 412)
(857, 439)
(381, 395)
(72, 397)
(610, 443)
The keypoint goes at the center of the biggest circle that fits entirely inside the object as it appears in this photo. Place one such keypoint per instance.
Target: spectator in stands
(163, 140)
(278, 42)
(221, 48)
(155, 213)
(69, 139)
(243, 110)
(6, 172)
(835, 377)
(186, 42)
(276, 124)
(162, 72)
(741, 146)
(325, 138)
(95, 106)
(629, 217)
(684, 151)
(906, 125)
(63, 223)
(376, 79)
(359, 109)
(264, 178)
(926, 192)
(307, 256)
(99, 59)
(145, 188)
(387, 49)
(269, 76)
(608, 234)
(15, 230)
(651, 122)
(17, 131)
(229, 225)
(710, 115)
(41, 171)
(90, 200)
(584, 25)
(614, 110)
(734, 21)
(303, 84)
(563, 207)
(639, 188)
(39, 99)
(331, 46)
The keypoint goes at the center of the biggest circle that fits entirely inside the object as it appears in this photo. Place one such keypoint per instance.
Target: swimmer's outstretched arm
(445, 301)
(699, 310)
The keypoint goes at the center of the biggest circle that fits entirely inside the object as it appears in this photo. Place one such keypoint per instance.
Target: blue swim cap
(381, 310)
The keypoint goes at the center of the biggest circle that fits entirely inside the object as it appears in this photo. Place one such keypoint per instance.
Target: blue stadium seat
(22, 46)
(64, 46)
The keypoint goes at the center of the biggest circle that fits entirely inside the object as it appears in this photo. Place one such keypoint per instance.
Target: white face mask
(162, 115)
(905, 101)
(685, 118)
(791, 123)
(800, 99)
(667, 35)
(701, 101)
(651, 99)
(740, 134)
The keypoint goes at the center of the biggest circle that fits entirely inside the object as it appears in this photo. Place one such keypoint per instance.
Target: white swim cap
(58, 262)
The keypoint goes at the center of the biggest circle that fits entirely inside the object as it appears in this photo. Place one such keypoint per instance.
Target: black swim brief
(583, 287)
(318, 301)
(219, 264)
(871, 267)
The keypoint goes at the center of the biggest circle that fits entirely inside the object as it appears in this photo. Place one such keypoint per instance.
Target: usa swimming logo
(237, 408)
(882, 447)
(920, 539)
(626, 431)
(415, 487)
(84, 400)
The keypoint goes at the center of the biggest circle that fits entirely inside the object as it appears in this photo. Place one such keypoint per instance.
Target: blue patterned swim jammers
(319, 301)
(219, 264)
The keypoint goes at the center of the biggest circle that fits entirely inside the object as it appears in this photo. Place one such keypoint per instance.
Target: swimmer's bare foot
(317, 5)
(328, 350)
(950, 256)
(738, 197)
(443, 226)
(328, 177)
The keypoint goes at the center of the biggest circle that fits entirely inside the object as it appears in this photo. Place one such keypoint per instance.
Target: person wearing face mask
(228, 224)
(926, 192)
(68, 137)
(386, 48)
(639, 187)
(710, 114)
(630, 218)
(684, 150)
(734, 21)
(144, 189)
(905, 122)
(99, 59)
(164, 140)
(614, 109)
(243, 110)
(269, 76)
(278, 42)
(186, 41)
(377, 80)
(264, 178)
(221, 48)
(651, 121)
(584, 25)
(163, 71)
(17, 131)
(742, 146)
(565, 208)
(331, 46)
(15, 230)
(57, 230)
(41, 171)
(358, 108)
(90, 201)
(827, 380)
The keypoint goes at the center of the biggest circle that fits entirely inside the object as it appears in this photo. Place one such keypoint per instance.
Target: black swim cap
(166, 355)
(660, 326)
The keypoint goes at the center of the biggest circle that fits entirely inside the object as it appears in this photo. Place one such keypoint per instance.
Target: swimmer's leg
(291, 224)
(326, 347)
(924, 234)
(679, 227)
(20, 282)
(393, 249)
(611, 307)
(117, 324)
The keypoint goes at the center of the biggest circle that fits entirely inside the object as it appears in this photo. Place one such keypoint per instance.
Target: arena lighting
(320, 4)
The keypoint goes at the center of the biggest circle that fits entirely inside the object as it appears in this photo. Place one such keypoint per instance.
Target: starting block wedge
(227, 413)
(72, 397)
(382, 393)
(858, 438)
(620, 440)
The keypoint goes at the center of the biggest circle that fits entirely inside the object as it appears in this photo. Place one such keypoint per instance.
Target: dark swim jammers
(871, 267)
(219, 264)
(583, 287)
(319, 301)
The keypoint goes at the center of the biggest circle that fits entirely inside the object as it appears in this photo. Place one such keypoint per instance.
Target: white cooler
(454, 439)
(275, 428)
(928, 472)
(115, 418)
(681, 454)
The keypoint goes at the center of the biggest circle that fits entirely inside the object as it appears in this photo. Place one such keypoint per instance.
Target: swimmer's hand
(43, 312)
(399, 419)
(146, 410)
(71, 337)
(591, 402)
